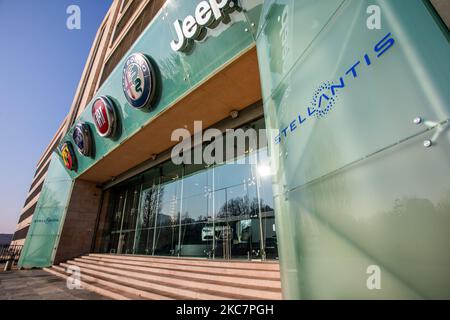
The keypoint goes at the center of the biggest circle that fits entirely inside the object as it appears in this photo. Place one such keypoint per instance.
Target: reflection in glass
(166, 240)
(224, 211)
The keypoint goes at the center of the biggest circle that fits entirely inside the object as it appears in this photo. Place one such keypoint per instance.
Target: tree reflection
(242, 206)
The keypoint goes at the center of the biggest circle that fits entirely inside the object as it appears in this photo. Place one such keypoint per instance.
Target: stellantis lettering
(208, 14)
(324, 98)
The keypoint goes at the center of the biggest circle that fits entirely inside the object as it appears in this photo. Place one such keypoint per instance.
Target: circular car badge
(68, 156)
(138, 80)
(82, 137)
(104, 115)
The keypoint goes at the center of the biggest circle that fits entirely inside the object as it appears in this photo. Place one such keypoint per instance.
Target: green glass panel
(354, 184)
(220, 44)
(388, 210)
(252, 10)
(39, 252)
(55, 194)
(289, 28)
(47, 221)
(48, 217)
(378, 97)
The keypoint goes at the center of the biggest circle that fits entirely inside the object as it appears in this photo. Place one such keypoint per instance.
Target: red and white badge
(104, 116)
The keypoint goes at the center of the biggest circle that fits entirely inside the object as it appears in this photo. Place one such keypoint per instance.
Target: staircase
(126, 277)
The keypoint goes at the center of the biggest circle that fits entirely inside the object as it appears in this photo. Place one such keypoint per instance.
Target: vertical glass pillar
(359, 143)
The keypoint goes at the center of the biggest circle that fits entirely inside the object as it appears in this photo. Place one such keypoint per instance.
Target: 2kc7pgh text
(208, 14)
(237, 309)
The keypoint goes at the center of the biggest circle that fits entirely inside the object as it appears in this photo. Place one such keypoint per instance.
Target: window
(224, 211)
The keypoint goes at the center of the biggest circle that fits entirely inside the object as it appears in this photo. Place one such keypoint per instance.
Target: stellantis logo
(319, 96)
(326, 95)
(46, 220)
(207, 15)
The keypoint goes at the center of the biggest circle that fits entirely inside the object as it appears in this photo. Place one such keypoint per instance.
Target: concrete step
(180, 293)
(233, 264)
(92, 286)
(162, 278)
(249, 274)
(219, 288)
(221, 269)
(130, 293)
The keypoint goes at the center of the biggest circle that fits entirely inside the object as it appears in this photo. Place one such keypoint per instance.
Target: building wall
(182, 81)
(79, 226)
(443, 9)
(121, 26)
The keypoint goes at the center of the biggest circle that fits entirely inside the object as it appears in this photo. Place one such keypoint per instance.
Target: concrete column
(79, 225)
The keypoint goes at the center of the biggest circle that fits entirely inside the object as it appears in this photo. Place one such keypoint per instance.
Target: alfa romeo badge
(138, 81)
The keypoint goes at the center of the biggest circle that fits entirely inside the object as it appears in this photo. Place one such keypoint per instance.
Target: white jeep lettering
(207, 15)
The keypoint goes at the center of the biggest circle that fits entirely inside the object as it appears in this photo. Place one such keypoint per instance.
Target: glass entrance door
(238, 211)
(116, 239)
(125, 218)
(147, 216)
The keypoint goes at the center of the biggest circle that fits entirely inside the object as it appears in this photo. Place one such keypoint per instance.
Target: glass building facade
(193, 210)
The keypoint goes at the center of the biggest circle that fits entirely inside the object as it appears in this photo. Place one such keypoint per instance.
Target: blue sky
(41, 62)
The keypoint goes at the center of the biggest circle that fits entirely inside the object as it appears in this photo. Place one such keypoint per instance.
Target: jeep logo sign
(208, 14)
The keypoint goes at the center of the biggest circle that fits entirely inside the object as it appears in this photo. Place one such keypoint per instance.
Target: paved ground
(39, 285)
